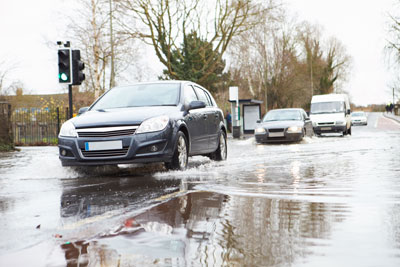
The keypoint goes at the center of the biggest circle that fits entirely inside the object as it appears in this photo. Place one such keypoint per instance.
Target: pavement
(392, 116)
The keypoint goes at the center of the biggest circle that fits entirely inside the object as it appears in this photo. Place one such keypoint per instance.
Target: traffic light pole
(71, 112)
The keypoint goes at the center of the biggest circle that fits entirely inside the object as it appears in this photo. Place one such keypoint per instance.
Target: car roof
(282, 109)
(157, 81)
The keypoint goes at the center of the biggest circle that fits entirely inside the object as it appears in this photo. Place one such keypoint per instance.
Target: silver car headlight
(294, 129)
(68, 129)
(153, 124)
(340, 122)
(260, 130)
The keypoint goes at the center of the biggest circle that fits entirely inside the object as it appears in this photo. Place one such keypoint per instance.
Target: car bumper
(358, 123)
(136, 148)
(329, 129)
(288, 137)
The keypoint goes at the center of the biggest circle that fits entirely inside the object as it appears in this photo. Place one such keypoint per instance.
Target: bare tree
(167, 22)
(285, 62)
(392, 48)
(5, 69)
(105, 52)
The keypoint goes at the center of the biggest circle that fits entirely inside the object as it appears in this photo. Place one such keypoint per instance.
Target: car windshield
(282, 115)
(327, 107)
(357, 114)
(141, 95)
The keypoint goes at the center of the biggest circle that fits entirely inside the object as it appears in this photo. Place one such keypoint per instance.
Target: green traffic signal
(63, 77)
(64, 66)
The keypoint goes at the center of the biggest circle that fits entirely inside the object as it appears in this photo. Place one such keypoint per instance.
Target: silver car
(359, 118)
(283, 125)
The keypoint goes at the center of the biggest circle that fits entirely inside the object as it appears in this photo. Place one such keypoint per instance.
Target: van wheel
(180, 158)
(222, 151)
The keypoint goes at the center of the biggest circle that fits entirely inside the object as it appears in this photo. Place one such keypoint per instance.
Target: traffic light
(77, 67)
(64, 66)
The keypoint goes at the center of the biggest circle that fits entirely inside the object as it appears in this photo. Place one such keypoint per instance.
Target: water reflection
(83, 198)
(210, 229)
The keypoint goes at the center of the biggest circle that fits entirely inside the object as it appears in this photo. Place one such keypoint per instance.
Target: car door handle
(205, 116)
(216, 115)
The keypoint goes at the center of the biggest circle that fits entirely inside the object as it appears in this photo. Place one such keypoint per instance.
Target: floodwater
(326, 201)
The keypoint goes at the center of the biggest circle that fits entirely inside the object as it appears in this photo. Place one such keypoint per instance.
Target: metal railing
(37, 126)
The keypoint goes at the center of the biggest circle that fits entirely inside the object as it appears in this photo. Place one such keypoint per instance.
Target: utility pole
(112, 75)
(393, 96)
(311, 74)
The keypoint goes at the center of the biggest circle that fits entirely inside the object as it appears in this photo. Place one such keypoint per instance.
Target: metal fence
(5, 126)
(37, 126)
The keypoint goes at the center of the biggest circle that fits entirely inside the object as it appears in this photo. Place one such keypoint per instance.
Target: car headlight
(153, 124)
(340, 122)
(314, 124)
(260, 130)
(294, 129)
(68, 129)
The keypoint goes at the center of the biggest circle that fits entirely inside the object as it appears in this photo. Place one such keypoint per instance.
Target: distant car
(165, 121)
(283, 125)
(359, 118)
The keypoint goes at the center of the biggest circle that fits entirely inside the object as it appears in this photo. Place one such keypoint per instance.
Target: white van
(330, 114)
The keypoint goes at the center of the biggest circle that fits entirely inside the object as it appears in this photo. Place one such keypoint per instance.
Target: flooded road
(325, 201)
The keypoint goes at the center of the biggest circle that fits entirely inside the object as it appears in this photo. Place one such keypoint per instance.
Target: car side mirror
(258, 121)
(196, 105)
(82, 110)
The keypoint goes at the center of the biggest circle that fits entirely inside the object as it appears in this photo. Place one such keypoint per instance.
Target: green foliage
(6, 147)
(196, 61)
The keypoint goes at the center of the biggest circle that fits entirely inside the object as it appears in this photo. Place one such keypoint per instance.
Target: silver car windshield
(327, 107)
(357, 114)
(283, 115)
(140, 95)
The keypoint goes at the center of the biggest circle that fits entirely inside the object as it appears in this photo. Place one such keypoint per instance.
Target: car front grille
(276, 130)
(325, 123)
(107, 131)
(105, 153)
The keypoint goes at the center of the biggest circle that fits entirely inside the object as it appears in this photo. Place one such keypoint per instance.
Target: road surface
(326, 201)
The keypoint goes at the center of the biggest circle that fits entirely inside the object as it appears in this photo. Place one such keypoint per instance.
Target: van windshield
(327, 107)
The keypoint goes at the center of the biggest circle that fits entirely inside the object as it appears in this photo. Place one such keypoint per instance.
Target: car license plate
(279, 134)
(326, 128)
(106, 145)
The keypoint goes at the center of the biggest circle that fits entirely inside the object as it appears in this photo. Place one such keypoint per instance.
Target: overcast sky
(28, 26)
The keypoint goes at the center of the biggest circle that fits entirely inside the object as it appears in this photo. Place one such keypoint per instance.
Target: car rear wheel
(222, 151)
(180, 157)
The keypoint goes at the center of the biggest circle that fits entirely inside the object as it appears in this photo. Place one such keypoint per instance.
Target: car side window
(210, 99)
(190, 95)
(203, 96)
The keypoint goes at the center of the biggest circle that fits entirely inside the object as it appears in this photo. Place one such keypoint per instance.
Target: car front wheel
(222, 150)
(180, 157)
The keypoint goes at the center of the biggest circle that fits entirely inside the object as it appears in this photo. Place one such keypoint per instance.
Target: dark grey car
(283, 125)
(165, 121)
